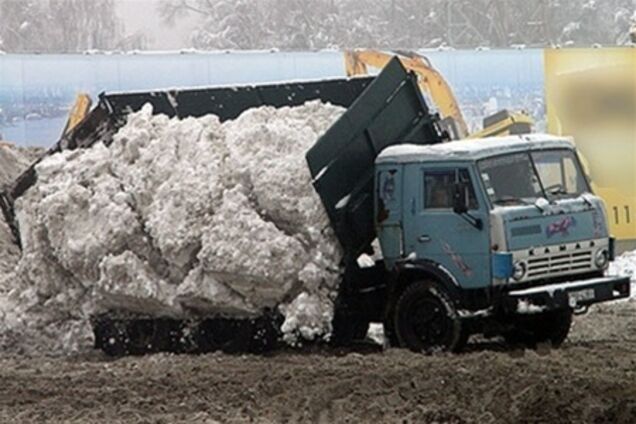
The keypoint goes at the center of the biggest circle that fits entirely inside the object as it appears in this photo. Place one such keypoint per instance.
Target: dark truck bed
(391, 111)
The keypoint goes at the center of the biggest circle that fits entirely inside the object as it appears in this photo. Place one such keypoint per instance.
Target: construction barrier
(36, 91)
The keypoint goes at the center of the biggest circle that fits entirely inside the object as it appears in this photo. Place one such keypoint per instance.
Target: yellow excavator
(80, 109)
(78, 112)
(436, 88)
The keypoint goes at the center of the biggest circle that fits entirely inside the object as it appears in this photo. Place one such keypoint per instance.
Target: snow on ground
(625, 265)
(177, 217)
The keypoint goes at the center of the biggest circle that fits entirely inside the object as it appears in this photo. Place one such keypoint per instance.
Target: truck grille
(559, 264)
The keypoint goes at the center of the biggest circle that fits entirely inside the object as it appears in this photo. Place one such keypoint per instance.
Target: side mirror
(460, 198)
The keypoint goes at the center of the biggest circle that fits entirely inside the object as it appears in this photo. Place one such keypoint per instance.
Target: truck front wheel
(426, 319)
(549, 327)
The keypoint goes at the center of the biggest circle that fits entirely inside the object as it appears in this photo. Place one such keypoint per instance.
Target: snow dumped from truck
(176, 218)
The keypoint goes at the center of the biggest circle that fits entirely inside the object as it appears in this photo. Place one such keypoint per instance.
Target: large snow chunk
(127, 282)
(307, 316)
(249, 254)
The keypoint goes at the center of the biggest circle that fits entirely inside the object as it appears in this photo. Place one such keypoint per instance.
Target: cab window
(440, 184)
(560, 173)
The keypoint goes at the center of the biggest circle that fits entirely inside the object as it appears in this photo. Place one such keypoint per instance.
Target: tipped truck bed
(391, 111)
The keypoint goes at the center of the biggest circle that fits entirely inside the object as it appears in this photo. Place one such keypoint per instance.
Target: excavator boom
(431, 82)
(80, 109)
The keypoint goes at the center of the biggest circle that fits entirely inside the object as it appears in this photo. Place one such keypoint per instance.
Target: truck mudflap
(574, 295)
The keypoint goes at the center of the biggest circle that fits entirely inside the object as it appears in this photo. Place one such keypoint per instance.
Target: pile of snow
(9, 252)
(13, 161)
(176, 217)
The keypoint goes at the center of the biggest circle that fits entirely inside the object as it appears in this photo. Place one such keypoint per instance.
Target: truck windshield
(522, 178)
(560, 173)
(510, 179)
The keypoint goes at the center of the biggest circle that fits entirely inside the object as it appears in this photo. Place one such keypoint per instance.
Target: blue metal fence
(37, 90)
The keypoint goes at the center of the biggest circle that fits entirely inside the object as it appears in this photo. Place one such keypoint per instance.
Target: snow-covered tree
(302, 24)
(60, 26)
(21, 25)
(83, 25)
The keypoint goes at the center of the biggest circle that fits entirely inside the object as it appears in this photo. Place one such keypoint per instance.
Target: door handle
(424, 239)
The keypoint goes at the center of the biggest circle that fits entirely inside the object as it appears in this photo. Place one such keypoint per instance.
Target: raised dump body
(342, 162)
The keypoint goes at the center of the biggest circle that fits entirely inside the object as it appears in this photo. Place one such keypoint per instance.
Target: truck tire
(549, 327)
(426, 319)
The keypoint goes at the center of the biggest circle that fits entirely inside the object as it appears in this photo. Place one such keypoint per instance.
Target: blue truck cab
(498, 235)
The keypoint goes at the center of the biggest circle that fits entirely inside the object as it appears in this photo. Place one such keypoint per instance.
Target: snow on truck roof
(473, 149)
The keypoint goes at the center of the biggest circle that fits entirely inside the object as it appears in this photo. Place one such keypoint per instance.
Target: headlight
(518, 271)
(601, 259)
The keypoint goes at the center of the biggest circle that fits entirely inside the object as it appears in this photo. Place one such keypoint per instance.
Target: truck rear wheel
(549, 327)
(426, 319)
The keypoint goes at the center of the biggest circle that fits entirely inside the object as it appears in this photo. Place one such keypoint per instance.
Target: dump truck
(500, 237)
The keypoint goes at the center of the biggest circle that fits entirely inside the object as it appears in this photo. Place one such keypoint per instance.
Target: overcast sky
(142, 16)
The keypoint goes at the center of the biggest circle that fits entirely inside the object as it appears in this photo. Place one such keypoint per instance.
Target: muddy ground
(592, 379)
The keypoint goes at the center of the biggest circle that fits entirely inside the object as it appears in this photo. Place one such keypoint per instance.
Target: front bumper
(575, 294)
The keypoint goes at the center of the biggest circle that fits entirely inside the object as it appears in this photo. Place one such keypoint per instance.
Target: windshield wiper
(559, 192)
(510, 199)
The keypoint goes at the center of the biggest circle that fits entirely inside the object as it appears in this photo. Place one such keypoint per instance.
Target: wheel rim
(429, 322)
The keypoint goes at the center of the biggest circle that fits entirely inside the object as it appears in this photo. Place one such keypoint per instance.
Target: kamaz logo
(561, 226)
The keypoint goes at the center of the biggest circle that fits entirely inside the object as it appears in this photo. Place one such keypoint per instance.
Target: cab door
(388, 211)
(433, 231)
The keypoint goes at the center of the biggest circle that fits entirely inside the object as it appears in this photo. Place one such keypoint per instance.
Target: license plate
(580, 296)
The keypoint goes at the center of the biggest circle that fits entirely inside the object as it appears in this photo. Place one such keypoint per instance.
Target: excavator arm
(78, 112)
(431, 82)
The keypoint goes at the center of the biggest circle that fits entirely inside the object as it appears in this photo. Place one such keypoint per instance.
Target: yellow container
(591, 96)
